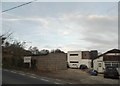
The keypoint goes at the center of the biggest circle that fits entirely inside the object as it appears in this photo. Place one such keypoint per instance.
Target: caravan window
(73, 61)
(73, 54)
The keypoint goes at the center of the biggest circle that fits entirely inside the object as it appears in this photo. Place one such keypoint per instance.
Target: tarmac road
(12, 77)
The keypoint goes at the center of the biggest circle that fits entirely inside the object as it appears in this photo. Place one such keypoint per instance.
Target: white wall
(113, 54)
(86, 62)
(95, 64)
(74, 58)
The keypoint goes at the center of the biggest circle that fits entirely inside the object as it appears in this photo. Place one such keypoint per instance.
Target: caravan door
(100, 67)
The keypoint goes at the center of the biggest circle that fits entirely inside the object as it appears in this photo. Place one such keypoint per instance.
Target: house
(109, 58)
(77, 58)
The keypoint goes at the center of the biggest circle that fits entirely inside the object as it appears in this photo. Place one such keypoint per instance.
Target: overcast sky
(64, 25)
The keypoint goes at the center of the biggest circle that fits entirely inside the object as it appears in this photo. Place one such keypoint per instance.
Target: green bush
(17, 62)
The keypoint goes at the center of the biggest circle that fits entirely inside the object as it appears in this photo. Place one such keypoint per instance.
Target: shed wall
(52, 62)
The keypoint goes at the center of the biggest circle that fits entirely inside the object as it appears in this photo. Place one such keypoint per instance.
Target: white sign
(27, 59)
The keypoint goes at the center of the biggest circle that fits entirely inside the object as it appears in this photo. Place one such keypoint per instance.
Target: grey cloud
(100, 31)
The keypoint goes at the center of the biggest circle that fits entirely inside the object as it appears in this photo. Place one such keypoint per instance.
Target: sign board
(27, 59)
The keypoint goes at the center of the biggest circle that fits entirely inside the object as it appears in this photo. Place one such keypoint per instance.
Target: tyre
(105, 76)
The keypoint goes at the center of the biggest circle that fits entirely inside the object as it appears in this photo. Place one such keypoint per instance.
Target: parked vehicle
(93, 72)
(111, 72)
(77, 58)
(83, 67)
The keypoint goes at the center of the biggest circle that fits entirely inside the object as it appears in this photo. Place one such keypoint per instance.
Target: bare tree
(57, 51)
(34, 50)
(44, 52)
(5, 36)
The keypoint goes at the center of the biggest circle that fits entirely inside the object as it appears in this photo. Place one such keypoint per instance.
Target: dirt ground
(77, 76)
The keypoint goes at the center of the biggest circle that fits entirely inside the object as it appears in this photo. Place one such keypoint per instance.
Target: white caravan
(74, 59)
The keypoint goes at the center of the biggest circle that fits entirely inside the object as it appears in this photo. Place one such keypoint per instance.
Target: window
(107, 64)
(73, 54)
(99, 64)
(115, 65)
(73, 61)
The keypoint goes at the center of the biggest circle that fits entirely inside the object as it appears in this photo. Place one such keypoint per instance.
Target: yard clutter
(77, 76)
(93, 72)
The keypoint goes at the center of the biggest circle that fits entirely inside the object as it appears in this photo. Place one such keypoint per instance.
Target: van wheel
(79, 67)
(105, 76)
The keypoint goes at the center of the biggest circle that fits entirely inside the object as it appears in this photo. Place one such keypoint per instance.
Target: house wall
(113, 54)
(109, 59)
(52, 62)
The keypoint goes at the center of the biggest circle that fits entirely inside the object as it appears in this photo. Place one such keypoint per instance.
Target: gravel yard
(77, 76)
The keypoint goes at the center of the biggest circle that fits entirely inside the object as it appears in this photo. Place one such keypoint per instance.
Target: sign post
(28, 60)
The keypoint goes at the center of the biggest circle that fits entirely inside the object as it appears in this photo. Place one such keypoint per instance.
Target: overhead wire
(18, 6)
